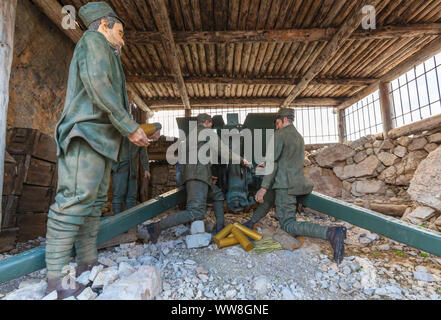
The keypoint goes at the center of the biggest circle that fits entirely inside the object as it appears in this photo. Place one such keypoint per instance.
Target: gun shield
(243, 240)
(250, 233)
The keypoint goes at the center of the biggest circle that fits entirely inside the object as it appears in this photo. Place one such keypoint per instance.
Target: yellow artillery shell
(243, 240)
(223, 233)
(227, 242)
(250, 233)
(148, 128)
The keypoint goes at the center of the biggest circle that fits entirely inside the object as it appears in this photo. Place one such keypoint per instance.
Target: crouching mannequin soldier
(199, 184)
(125, 171)
(88, 135)
(286, 182)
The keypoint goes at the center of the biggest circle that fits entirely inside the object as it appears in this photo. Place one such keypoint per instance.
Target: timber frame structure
(184, 54)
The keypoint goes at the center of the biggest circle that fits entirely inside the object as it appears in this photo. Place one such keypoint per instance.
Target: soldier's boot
(63, 293)
(154, 230)
(85, 267)
(218, 208)
(336, 236)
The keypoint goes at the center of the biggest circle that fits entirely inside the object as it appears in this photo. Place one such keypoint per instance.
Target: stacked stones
(374, 169)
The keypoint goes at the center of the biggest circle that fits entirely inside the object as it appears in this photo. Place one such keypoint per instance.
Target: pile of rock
(393, 171)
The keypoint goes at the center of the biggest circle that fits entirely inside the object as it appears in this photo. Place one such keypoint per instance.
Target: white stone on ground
(87, 294)
(198, 240)
(197, 227)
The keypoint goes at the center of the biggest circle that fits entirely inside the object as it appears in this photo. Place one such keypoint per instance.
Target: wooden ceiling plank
(328, 52)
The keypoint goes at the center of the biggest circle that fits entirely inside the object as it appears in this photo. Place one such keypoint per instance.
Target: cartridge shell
(227, 242)
(243, 240)
(148, 128)
(223, 233)
(250, 233)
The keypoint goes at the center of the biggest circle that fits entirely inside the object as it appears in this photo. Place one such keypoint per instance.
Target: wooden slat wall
(356, 58)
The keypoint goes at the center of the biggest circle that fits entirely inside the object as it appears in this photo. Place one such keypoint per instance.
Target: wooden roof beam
(344, 32)
(243, 102)
(286, 35)
(353, 82)
(52, 9)
(160, 15)
(426, 53)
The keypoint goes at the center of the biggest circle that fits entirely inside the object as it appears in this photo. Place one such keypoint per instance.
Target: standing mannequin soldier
(125, 171)
(88, 135)
(199, 184)
(286, 182)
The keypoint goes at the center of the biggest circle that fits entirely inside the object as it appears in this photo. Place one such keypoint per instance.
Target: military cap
(203, 117)
(92, 11)
(285, 112)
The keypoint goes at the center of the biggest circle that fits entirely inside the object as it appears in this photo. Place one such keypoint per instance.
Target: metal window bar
(358, 119)
(310, 121)
(422, 85)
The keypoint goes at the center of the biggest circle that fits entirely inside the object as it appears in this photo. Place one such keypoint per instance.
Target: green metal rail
(34, 260)
(421, 238)
(425, 239)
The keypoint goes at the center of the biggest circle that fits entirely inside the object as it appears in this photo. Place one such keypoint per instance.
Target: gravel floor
(373, 268)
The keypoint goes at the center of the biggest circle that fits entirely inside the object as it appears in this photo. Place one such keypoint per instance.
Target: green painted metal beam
(34, 260)
(412, 235)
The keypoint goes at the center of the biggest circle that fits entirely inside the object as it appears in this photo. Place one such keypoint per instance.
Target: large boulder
(366, 168)
(325, 181)
(330, 156)
(425, 186)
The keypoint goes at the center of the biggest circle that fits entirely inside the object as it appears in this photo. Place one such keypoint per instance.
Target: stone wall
(377, 173)
(42, 54)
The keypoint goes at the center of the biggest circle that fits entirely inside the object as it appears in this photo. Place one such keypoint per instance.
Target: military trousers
(197, 194)
(124, 186)
(73, 220)
(286, 213)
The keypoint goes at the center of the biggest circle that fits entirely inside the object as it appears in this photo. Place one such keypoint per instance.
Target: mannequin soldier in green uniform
(286, 182)
(199, 184)
(88, 135)
(125, 172)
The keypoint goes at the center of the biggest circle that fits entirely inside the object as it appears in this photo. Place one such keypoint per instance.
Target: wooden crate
(32, 142)
(32, 226)
(8, 239)
(9, 208)
(35, 199)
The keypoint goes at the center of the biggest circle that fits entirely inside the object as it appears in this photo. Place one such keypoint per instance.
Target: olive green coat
(289, 158)
(96, 107)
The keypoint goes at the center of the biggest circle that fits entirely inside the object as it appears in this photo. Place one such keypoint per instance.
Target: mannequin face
(208, 124)
(114, 35)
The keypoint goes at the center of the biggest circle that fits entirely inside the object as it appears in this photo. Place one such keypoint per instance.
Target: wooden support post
(341, 127)
(52, 9)
(386, 108)
(343, 33)
(160, 15)
(7, 29)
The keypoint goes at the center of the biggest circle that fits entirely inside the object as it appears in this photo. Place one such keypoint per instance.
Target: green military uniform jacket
(96, 107)
(199, 171)
(129, 153)
(289, 158)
